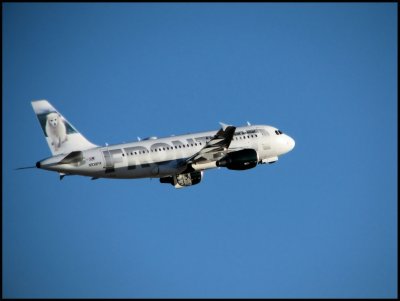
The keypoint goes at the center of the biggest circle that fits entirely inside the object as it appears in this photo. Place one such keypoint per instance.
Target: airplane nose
(291, 143)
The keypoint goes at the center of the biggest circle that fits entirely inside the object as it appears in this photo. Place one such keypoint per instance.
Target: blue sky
(321, 222)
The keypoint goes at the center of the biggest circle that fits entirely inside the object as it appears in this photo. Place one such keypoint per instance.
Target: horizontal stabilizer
(73, 157)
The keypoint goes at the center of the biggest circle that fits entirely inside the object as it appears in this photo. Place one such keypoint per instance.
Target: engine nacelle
(240, 160)
(184, 180)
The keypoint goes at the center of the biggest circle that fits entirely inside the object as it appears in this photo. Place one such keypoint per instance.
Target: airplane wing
(216, 148)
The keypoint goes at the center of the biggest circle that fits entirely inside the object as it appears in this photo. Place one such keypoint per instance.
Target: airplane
(177, 160)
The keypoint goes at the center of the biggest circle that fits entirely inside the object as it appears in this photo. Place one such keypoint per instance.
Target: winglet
(224, 126)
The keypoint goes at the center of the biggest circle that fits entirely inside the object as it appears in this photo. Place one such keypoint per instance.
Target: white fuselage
(156, 158)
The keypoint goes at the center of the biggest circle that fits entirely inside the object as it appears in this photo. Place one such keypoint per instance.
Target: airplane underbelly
(147, 170)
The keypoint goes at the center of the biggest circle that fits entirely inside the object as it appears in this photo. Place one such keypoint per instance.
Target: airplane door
(108, 161)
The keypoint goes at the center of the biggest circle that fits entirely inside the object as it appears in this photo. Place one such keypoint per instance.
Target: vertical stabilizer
(61, 136)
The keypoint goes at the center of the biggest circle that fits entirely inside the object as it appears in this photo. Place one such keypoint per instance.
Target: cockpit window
(278, 132)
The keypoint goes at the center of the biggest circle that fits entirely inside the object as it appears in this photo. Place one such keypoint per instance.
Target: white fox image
(56, 130)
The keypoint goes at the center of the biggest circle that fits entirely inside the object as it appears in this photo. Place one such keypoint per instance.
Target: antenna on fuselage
(248, 123)
(138, 138)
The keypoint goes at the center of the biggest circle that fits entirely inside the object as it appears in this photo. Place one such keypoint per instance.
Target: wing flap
(216, 148)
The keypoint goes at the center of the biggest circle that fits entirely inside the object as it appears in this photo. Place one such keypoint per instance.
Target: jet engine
(239, 160)
(184, 180)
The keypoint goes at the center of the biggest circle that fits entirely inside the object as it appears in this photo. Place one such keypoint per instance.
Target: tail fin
(61, 136)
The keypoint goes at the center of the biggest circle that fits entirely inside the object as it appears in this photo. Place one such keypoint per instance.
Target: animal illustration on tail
(56, 130)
